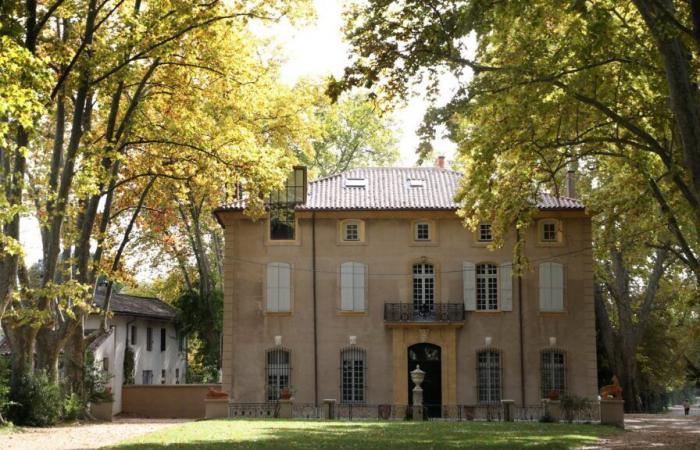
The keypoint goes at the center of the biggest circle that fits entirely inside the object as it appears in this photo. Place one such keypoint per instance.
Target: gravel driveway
(672, 431)
(84, 435)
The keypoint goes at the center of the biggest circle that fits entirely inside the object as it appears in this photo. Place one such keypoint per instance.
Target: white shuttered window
(469, 285)
(352, 286)
(551, 286)
(279, 286)
(505, 273)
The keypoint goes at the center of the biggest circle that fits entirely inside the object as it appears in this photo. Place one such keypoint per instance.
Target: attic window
(356, 182)
(416, 182)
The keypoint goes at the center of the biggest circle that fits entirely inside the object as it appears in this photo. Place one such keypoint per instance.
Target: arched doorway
(428, 356)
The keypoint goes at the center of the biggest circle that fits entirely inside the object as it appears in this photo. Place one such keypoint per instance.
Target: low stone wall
(165, 401)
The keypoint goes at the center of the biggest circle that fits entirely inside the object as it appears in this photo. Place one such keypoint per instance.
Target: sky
(318, 50)
(315, 50)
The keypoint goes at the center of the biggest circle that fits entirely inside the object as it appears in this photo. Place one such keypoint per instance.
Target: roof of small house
(394, 188)
(133, 305)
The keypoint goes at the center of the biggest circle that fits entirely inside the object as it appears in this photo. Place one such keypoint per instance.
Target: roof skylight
(355, 182)
(416, 182)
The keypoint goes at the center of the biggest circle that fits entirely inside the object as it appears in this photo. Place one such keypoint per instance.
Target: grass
(300, 434)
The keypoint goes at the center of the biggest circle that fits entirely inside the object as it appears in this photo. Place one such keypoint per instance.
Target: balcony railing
(408, 312)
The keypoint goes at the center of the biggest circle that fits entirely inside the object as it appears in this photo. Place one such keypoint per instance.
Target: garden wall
(165, 400)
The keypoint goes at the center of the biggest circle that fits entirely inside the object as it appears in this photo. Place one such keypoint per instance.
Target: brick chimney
(440, 162)
(571, 180)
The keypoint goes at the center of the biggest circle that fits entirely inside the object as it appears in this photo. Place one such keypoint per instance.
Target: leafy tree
(608, 86)
(353, 133)
(139, 100)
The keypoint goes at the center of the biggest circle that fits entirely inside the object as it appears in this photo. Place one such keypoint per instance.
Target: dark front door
(427, 356)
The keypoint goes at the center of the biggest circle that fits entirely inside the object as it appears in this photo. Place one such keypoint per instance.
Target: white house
(147, 326)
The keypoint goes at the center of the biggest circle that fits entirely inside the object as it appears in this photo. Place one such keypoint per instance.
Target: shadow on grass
(368, 435)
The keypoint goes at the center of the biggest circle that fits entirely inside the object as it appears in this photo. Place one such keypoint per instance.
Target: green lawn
(300, 434)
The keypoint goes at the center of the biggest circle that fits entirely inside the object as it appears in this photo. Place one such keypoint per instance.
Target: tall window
(551, 286)
(133, 335)
(486, 287)
(282, 203)
(553, 371)
(149, 339)
(282, 222)
(163, 338)
(352, 376)
(485, 232)
(489, 376)
(147, 377)
(352, 286)
(279, 287)
(423, 287)
(278, 372)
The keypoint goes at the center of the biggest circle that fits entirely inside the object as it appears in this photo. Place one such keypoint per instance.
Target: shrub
(38, 401)
(4, 388)
(573, 406)
(73, 407)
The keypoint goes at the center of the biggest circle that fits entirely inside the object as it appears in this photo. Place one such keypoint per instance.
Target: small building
(145, 325)
(353, 280)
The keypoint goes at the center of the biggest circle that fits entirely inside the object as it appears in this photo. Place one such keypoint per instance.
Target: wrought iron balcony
(410, 313)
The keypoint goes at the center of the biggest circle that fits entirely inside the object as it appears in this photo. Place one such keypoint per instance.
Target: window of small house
(163, 338)
(149, 339)
(485, 232)
(422, 231)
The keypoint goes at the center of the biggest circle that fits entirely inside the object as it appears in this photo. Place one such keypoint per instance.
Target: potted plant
(553, 395)
(101, 402)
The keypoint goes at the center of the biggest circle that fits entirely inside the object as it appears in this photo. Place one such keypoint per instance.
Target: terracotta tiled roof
(132, 305)
(394, 188)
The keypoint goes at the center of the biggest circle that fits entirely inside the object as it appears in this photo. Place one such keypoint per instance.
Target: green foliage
(202, 321)
(73, 407)
(96, 381)
(37, 401)
(4, 387)
(353, 133)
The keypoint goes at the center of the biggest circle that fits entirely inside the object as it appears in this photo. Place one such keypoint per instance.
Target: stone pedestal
(329, 408)
(102, 411)
(508, 410)
(286, 409)
(552, 408)
(612, 412)
(215, 408)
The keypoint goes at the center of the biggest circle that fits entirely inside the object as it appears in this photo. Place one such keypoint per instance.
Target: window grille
(353, 375)
(486, 287)
(423, 288)
(549, 232)
(553, 372)
(278, 372)
(485, 232)
(422, 232)
(489, 376)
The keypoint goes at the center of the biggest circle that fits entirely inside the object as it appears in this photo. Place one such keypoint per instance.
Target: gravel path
(671, 431)
(83, 435)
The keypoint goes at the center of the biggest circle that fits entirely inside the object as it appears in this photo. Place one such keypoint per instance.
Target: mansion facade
(355, 279)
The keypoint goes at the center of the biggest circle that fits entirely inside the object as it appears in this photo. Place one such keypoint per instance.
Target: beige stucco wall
(165, 401)
(389, 252)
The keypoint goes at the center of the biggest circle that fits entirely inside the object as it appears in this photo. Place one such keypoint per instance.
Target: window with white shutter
(278, 287)
(551, 286)
(506, 286)
(469, 282)
(352, 286)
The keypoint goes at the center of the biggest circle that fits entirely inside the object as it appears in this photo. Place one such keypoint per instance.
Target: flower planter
(102, 410)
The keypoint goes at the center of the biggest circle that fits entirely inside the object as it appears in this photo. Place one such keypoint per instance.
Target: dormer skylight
(356, 182)
(416, 182)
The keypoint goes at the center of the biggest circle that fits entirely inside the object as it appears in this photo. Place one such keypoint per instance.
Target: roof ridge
(393, 168)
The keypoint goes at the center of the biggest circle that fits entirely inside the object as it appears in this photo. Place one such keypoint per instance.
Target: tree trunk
(74, 357)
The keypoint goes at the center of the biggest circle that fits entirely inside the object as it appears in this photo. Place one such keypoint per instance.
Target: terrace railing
(438, 312)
